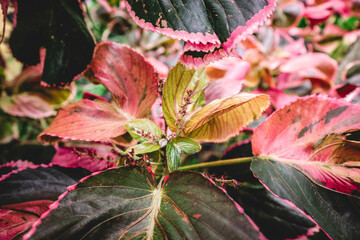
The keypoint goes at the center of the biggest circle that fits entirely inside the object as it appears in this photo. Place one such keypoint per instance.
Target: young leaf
(128, 203)
(177, 146)
(182, 90)
(145, 148)
(224, 118)
(59, 26)
(144, 130)
(205, 26)
(86, 120)
(309, 137)
(173, 153)
(129, 77)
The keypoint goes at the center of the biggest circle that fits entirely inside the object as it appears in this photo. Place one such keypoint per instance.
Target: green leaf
(144, 130)
(59, 26)
(144, 148)
(173, 153)
(128, 203)
(176, 147)
(187, 145)
(222, 119)
(182, 83)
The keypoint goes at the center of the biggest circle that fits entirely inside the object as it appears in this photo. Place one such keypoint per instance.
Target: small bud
(163, 142)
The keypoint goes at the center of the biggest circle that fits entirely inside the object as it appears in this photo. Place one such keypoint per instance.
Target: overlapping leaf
(127, 203)
(130, 80)
(58, 26)
(208, 26)
(224, 118)
(182, 83)
(129, 77)
(16, 219)
(314, 138)
(86, 120)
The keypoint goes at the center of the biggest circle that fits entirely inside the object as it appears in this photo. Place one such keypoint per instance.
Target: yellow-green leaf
(144, 148)
(144, 130)
(182, 83)
(224, 118)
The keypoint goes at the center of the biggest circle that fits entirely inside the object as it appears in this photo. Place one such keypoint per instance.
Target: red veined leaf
(224, 118)
(16, 219)
(311, 136)
(204, 27)
(130, 79)
(86, 120)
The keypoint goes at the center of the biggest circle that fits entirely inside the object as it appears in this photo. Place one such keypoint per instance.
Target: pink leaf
(130, 79)
(86, 120)
(233, 72)
(317, 67)
(16, 219)
(311, 135)
(94, 157)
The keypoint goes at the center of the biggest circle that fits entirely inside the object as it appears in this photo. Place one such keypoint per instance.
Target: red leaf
(130, 79)
(16, 219)
(86, 120)
(311, 136)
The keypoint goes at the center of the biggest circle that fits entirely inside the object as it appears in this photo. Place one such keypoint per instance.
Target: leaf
(16, 219)
(58, 26)
(40, 183)
(93, 157)
(181, 84)
(319, 68)
(294, 136)
(144, 130)
(8, 130)
(86, 120)
(178, 146)
(275, 218)
(288, 14)
(145, 148)
(224, 118)
(4, 8)
(214, 24)
(127, 203)
(129, 77)
(307, 156)
(173, 153)
(27, 105)
(337, 214)
(232, 73)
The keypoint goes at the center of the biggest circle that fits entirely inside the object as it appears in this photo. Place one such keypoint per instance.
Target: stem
(217, 163)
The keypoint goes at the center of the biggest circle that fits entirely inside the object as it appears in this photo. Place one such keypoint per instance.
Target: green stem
(217, 163)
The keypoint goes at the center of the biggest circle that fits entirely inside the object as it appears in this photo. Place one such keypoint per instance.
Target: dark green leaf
(127, 203)
(42, 183)
(58, 26)
(338, 214)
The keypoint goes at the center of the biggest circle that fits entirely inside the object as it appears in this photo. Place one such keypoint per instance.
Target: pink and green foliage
(319, 144)
(131, 82)
(134, 122)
